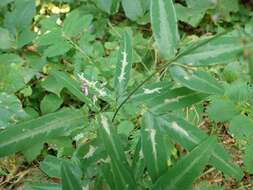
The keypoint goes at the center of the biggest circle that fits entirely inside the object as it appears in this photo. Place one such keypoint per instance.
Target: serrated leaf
(120, 167)
(25, 134)
(190, 136)
(70, 179)
(164, 26)
(154, 148)
(72, 86)
(221, 49)
(124, 65)
(186, 170)
(199, 81)
(76, 23)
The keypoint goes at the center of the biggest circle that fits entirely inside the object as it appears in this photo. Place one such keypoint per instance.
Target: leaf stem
(165, 66)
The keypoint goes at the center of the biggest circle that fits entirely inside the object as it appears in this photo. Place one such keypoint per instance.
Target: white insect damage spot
(167, 101)
(151, 91)
(105, 124)
(78, 136)
(153, 143)
(124, 63)
(181, 131)
(92, 150)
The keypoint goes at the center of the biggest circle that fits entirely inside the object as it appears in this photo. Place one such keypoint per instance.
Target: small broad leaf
(108, 6)
(199, 81)
(154, 149)
(76, 23)
(124, 65)
(222, 110)
(241, 126)
(133, 9)
(186, 170)
(120, 167)
(54, 49)
(164, 26)
(25, 134)
(50, 103)
(70, 179)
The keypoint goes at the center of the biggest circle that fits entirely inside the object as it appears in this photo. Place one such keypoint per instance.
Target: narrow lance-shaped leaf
(186, 170)
(154, 148)
(190, 136)
(124, 65)
(164, 26)
(120, 168)
(220, 50)
(177, 98)
(23, 135)
(70, 179)
(199, 81)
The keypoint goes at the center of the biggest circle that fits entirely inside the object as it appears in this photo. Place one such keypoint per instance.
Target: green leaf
(50, 103)
(154, 148)
(222, 110)
(32, 152)
(51, 166)
(177, 98)
(108, 6)
(11, 110)
(120, 167)
(23, 135)
(50, 84)
(21, 17)
(70, 179)
(42, 187)
(76, 23)
(164, 26)
(6, 40)
(72, 86)
(199, 81)
(133, 9)
(248, 156)
(190, 136)
(124, 65)
(151, 91)
(54, 49)
(220, 50)
(241, 127)
(186, 170)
